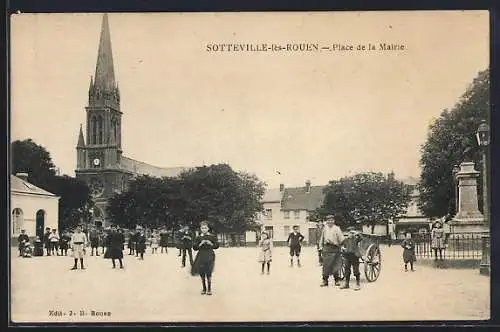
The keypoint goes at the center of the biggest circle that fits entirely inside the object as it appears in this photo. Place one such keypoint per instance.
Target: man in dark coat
(115, 246)
(94, 242)
(46, 240)
(295, 243)
(164, 240)
(350, 250)
(186, 238)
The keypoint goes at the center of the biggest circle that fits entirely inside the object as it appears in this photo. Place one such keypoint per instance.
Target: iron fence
(457, 246)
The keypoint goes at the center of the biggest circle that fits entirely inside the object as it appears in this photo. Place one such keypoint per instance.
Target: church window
(93, 125)
(100, 128)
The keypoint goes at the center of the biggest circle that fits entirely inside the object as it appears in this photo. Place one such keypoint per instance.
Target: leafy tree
(451, 141)
(227, 199)
(365, 198)
(29, 157)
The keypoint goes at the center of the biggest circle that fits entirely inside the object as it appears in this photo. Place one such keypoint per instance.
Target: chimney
(22, 176)
(282, 187)
(308, 186)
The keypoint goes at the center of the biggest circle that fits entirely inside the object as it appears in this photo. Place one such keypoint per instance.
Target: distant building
(413, 220)
(288, 207)
(100, 160)
(31, 208)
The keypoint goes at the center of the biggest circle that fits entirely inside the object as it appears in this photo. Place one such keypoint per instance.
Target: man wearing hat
(351, 252)
(330, 244)
(22, 240)
(78, 244)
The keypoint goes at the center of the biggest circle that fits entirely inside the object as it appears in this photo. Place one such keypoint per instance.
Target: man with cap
(46, 240)
(295, 243)
(330, 244)
(350, 250)
(115, 246)
(22, 239)
(78, 244)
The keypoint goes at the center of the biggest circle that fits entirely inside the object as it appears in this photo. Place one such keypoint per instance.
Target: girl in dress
(438, 240)
(154, 243)
(203, 265)
(265, 253)
(408, 252)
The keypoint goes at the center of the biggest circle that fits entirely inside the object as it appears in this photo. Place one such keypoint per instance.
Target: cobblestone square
(159, 290)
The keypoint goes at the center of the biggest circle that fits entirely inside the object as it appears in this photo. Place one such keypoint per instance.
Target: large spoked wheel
(373, 263)
(342, 267)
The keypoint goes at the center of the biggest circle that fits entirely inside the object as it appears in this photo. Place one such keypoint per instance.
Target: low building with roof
(31, 208)
(288, 207)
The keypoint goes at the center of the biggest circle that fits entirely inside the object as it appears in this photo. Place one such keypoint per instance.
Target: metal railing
(457, 246)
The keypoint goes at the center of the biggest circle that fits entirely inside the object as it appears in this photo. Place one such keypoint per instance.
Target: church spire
(104, 78)
(81, 141)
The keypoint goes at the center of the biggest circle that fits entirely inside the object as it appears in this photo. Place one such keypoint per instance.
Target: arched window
(17, 220)
(100, 128)
(93, 125)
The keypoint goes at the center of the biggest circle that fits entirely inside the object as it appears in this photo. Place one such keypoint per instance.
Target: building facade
(285, 208)
(413, 220)
(32, 208)
(100, 161)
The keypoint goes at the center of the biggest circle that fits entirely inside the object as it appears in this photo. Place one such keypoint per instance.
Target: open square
(159, 290)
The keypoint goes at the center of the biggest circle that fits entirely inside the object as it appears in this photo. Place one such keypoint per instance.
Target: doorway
(40, 223)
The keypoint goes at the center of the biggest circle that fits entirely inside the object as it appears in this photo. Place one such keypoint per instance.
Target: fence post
(484, 267)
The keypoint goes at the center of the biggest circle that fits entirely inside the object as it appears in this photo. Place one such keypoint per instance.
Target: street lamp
(483, 140)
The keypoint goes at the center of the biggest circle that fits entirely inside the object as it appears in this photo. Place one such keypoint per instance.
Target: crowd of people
(334, 247)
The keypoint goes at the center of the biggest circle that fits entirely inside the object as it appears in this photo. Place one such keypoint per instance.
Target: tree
(227, 199)
(367, 198)
(29, 157)
(451, 141)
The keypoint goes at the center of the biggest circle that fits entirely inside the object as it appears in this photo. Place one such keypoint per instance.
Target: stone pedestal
(468, 218)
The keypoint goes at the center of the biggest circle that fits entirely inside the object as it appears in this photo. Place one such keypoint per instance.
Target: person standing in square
(46, 240)
(21, 241)
(265, 251)
(351, 254)
(54, 242)
(203, 264)
(115, 246)
(330, 243)
(186, 245)
(408, 252)
(294, 241)
(164, 240)
(78, 244)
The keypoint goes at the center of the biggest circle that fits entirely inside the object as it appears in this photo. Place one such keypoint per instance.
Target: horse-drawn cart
(371, 257)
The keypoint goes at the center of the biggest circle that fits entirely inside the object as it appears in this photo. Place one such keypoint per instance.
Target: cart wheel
(342, 267)
(373, 263)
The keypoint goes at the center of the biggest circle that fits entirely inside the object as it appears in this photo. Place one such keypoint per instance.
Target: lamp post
(483, 140)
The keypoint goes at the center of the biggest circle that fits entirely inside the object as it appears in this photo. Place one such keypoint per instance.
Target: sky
(284, 116)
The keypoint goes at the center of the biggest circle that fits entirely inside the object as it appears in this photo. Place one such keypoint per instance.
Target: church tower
(99, 153)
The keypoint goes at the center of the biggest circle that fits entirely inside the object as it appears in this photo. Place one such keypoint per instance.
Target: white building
(288, 207)
(31, 208)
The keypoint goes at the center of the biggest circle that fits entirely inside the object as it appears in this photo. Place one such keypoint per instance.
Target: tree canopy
(229, 200)
(29, 157)
(365, 198)
(451, 141)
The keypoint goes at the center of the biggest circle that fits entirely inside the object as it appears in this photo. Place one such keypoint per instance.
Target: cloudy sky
(308, 115)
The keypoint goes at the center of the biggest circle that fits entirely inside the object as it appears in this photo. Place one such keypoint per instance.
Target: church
(100, 161)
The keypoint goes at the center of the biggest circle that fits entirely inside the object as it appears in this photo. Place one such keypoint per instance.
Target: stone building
(31, 208)
(100, 160)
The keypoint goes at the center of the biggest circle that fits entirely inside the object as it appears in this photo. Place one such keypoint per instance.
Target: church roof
(20, 186)
(139, 167)
(104, 72)
(298, 199)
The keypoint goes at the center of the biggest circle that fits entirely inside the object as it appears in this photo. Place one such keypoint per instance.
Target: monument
(468, 218)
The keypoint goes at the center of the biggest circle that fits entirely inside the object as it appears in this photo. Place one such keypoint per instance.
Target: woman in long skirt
(204, 262)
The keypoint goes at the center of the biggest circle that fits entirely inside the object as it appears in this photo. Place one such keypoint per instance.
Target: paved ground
(158, 290)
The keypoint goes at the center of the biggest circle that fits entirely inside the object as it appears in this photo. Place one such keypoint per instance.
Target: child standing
(408, 252)
(154, 243)
(204, 262)
(351, 253)
(141, 245)
(295, 243)
(265, 254)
